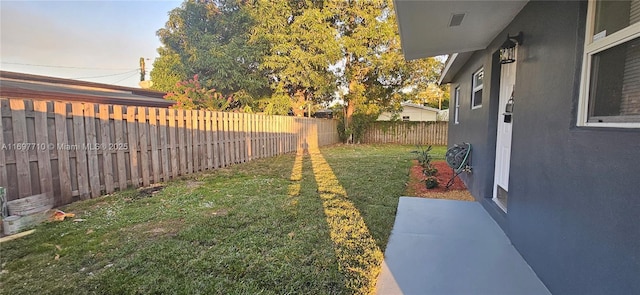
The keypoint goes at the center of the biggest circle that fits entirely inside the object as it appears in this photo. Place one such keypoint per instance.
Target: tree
(421, 81)
(374, 73)
(371, 65)
(191, 95)
(435, 96)
(167, 72)
(210, 39)
(302, 46)
(294, 53)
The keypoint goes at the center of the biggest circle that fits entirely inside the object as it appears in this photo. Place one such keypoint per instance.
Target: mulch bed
(416, 186)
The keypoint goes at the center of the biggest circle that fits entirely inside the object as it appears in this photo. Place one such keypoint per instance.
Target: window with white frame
(610, 86)
(456, 110)
(476, 94)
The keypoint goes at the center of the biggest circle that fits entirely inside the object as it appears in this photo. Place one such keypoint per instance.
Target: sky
(97, 41)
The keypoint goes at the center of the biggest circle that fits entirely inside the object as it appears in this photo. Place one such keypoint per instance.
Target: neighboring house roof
(27, 86)
(415, 112)
(462, 26)
(414, 105)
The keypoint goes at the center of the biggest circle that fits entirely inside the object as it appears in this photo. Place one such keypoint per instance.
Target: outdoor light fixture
(508, 48)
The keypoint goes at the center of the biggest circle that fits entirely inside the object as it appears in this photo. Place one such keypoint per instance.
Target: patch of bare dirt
(155, 229)
(416, 186)
(193, 184)
(221, 212)
(146, 192)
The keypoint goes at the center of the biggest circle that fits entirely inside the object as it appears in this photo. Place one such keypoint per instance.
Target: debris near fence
(20, 214)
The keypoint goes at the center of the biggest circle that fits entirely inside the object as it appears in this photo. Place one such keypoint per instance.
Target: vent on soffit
(456, 19)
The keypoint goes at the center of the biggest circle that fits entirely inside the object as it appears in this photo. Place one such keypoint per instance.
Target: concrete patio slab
(450, 247)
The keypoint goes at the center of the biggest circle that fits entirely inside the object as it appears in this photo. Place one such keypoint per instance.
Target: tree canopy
(282, 56)
(301, 47)
(211, 39)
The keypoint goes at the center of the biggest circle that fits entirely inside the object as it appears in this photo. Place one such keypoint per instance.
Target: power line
(64, 67)
(125, 78)
(127, 72)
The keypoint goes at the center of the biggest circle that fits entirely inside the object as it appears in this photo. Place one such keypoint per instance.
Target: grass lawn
(312, 224)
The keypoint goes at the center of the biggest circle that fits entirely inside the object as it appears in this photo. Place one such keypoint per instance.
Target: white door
(503, 139)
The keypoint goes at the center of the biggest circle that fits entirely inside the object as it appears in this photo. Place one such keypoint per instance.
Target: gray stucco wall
(574, 199)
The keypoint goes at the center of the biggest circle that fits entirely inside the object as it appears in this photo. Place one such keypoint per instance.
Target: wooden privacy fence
(83, 150)
(418, 133)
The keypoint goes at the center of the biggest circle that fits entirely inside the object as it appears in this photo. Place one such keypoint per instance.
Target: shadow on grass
(358, 255)
(374, 177)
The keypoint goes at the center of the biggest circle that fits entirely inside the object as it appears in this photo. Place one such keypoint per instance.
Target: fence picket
(181, 139)
(233, 132)
(132, 132)
(237, 144)
(172, 143)
(267, 136)
(3, 162)
(92, 149)
(227, 139)
(119, 145)
(249, 137)
(278, 135)
(194, 142)
(106, 147)
(77, 110)
(189, 147)
(202, 155)
(62, 140)
(258, 140)
(19, 122)
(153, 140)
(208, 136)
(164, 154)
(216, 140)
(42, 142)
(244, 138)
(143, 129)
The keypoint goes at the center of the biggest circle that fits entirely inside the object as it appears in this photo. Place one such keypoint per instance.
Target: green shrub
(431, 171)
(359, 124)
(431, 182)
(424, 158)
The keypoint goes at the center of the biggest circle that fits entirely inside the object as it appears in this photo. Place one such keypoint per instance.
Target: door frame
(506, 86)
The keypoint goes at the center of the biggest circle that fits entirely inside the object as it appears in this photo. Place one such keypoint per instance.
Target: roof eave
(453, 64)
(426, 29)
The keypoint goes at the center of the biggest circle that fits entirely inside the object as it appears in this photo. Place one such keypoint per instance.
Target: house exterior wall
(574, 198)
(415, 115)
